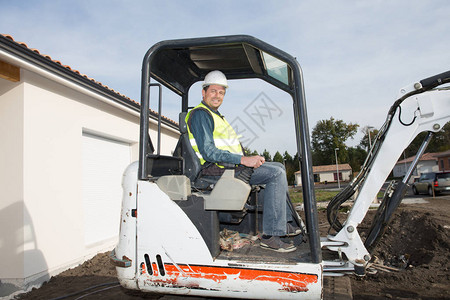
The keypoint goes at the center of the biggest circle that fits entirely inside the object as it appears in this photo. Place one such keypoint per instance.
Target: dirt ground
(417, 242)
(415, 249)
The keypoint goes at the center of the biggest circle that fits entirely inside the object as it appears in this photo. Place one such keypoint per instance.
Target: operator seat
(192, 166)
(192, 169)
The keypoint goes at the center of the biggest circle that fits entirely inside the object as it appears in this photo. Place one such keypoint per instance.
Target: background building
(328, 173)
(427, 163)
(443, 160)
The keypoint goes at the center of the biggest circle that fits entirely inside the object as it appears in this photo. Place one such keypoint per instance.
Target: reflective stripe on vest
(225, 138)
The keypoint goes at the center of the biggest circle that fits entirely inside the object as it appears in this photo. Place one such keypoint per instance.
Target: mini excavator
(171, 218)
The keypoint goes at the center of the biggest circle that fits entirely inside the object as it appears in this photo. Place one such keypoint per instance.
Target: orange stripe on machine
(179, 275)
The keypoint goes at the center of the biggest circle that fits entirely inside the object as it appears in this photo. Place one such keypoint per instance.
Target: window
(276, 68)
(443, 176)
(335, 176)
(316, 178)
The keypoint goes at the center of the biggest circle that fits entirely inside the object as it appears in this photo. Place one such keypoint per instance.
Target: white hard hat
(215, 77)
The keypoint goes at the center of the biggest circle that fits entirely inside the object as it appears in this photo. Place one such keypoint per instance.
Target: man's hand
(252, 161)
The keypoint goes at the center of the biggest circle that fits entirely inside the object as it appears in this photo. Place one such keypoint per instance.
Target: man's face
(213, 96)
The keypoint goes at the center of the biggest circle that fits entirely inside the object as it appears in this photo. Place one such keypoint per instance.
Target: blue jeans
(276, 212)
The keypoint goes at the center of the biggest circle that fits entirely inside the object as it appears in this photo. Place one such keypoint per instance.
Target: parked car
(439, 181)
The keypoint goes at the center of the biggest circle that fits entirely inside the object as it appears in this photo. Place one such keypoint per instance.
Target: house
(65, 141)
(328, 173)
(444, 160)
(427, 163)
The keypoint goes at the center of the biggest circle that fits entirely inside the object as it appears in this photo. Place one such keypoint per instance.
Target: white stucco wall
(54, 122)
(11, 180)
(41, 208)
(325, 176)
(329, 176)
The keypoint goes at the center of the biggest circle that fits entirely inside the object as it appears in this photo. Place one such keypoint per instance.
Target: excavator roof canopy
(178, 64)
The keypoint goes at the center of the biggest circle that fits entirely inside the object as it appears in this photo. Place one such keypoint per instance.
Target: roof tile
(330, 168)
(426, 156)
(80, 74)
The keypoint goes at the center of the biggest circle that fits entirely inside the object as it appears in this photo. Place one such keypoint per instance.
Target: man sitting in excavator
(217, 145)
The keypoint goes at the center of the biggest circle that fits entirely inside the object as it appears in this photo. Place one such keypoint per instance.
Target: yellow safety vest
(225, 138)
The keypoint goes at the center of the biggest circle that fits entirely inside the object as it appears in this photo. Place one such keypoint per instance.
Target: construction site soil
(412, 262)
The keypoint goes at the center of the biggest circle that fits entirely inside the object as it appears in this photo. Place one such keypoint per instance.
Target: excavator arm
(422, 107)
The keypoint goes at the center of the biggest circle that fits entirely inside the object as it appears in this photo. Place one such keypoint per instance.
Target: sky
(355, 55)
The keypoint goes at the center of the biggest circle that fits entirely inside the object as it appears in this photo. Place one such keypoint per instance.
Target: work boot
(292, 230)
(274, 243)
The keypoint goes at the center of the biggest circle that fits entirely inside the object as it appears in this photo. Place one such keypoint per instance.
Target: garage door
(104, 161)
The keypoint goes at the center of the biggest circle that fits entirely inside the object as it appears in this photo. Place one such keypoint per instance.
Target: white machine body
(167, 254)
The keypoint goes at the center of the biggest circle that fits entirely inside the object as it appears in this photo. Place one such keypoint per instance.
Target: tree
(440, 142)
(249, 152)
(356, 157)
(287, 158)
(371, 132)
(254, 152)
(296, 162)
(266, 155)
(278, 157)
(290, 167)
(328, 135)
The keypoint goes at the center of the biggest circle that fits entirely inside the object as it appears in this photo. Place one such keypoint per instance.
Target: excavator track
(337, 288)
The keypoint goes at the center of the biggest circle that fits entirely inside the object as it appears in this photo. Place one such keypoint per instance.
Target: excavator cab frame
(178, 64)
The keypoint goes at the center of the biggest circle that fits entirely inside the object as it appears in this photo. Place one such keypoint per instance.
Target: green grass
(321, 195)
